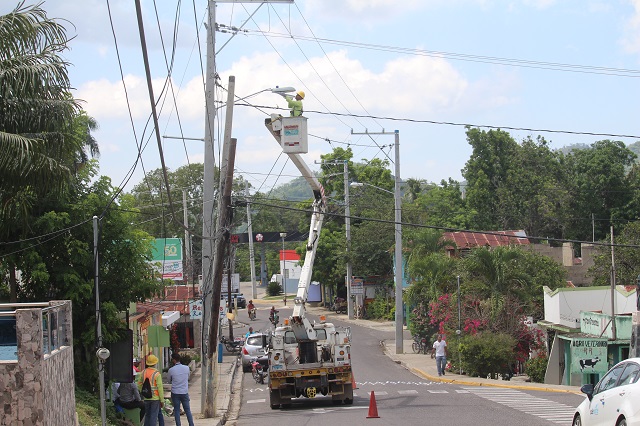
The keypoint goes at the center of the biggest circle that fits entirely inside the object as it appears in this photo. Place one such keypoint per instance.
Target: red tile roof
(494, 239)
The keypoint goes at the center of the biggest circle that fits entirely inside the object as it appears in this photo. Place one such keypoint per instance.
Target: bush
(487, 354)
(381, 308)
(274, 289)
(536, 368)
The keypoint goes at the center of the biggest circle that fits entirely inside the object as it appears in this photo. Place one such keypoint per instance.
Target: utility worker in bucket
(295, 103)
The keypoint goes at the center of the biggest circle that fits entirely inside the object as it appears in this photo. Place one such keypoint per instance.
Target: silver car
(254, 347)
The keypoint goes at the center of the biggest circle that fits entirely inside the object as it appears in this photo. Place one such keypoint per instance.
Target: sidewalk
(225, 376)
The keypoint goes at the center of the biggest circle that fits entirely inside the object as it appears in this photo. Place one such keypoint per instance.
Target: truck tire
(348, 394)
(274, 399)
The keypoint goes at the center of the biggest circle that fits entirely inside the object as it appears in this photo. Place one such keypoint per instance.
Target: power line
(452, 123)
(523, 63)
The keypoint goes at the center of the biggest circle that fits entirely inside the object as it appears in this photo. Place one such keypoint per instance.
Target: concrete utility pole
(211, 307)
(347, 230)
(398, 239)
(252, 262)
(222, 232)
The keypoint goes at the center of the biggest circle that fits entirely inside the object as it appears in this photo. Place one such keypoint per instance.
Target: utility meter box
(293, 136)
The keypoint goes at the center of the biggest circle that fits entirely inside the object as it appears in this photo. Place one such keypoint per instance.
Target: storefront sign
(589, 356)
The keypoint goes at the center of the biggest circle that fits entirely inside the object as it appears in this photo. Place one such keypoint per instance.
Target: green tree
(487, 172)
(36, 110)
(440, 205)
(61, 266)
(627, 258)
(600, 186)
(498, 272)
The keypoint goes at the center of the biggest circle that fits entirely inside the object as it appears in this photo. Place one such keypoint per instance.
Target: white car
(615, 400)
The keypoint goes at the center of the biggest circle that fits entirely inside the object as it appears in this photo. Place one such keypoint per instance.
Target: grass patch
(88, 409)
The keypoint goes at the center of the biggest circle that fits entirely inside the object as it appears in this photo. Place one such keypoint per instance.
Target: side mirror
(588, 390)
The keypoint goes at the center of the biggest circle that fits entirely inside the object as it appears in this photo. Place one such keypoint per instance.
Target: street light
(398, 256)
(283, 235)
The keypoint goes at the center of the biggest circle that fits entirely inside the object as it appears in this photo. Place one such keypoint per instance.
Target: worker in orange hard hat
(295, 103)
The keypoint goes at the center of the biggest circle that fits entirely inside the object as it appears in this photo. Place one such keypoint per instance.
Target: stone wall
(58, 379)
(39, 388)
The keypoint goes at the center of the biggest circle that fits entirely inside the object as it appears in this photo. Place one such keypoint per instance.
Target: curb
(470, 382)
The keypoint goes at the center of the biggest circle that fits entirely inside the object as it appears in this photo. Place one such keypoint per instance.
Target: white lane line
(408, 392)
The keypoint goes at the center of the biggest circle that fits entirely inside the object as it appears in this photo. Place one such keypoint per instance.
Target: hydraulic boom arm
(301, 326)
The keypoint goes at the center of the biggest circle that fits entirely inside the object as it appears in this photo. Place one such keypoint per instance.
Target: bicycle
(419, 345)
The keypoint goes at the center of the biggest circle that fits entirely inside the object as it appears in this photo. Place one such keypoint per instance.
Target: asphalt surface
(421, 365)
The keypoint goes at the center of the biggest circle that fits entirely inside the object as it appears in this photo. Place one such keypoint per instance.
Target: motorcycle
(339, 306)
(275, 318)
(231, 346)
(252, 314)
(259, 368)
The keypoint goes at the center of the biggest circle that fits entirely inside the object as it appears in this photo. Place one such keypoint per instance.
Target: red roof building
(469, 240)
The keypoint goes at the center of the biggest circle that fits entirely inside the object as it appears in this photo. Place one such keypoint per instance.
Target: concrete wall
(577, 274)
(563, 306)
(39, 388)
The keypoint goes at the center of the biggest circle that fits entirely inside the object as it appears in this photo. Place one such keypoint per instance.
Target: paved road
(403, 397)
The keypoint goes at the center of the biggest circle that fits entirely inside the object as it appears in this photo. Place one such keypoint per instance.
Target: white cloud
(631, 41)
(106, 99)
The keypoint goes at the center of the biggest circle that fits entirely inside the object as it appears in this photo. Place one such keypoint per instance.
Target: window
(610, 379)
(255, 340)
(630, 374)
(322, 334)
(289, 337)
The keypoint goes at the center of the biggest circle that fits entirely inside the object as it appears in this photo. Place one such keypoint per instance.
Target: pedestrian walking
(154, 401)
(440, 349)
(179, 379)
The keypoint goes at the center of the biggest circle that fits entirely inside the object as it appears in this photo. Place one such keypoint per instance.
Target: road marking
(437, 391)
(552, 411)
(254, 401)
(408, 392)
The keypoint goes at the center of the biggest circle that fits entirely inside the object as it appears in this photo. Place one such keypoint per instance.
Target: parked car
(614, 400)
(253, 348)
(242, 302)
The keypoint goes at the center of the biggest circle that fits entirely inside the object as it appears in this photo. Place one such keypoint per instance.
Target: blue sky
(469, 82)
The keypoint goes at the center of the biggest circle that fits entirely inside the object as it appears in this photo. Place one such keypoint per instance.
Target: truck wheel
(348, 394)
(274, 400)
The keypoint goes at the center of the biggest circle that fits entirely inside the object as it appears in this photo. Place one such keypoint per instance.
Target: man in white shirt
(179, 379)
(440, 349)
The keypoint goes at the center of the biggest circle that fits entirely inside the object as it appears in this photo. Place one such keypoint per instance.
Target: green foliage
(88, 409)
(536, 368)
(274, 289)
(627, 258)
(382, 307)
(487, 354)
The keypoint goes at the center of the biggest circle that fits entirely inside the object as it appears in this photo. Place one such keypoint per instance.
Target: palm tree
(36, 109)
(499, 271)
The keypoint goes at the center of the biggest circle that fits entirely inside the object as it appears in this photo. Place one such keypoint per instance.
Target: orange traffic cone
(373, 408)
(353, 382)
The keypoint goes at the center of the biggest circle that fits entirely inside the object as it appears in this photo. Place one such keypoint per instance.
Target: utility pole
(398, 239)
(252, 262)
(211, 306)
(187, 239)
(347, 230)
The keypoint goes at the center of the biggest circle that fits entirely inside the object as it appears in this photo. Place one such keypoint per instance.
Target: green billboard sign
(167, 249)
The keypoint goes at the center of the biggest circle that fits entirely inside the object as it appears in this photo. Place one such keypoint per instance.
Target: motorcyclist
(272, 313)
(249, 333)
(251, 308)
